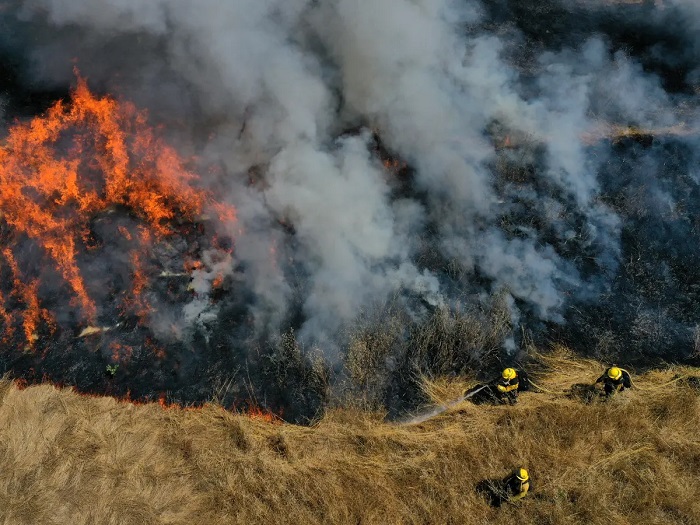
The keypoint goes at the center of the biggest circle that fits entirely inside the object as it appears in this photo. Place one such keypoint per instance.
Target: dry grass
(71, 459)
(388, 350)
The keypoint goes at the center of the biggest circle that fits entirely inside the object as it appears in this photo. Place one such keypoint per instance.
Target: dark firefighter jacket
(515, 489)
(512, 386)
(506, 386)
(615, 385)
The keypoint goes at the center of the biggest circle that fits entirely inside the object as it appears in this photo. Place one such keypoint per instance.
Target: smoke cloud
(514, 172)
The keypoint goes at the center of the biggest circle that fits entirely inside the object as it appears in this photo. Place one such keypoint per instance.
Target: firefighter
(509, 384)
(510, 489)
(615, 379)
(516, 485)
(501, 390)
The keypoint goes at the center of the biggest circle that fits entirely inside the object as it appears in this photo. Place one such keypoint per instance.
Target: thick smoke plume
(548, 153)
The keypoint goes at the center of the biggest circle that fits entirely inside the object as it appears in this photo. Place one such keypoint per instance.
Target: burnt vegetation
(642, 308)
(219, 413)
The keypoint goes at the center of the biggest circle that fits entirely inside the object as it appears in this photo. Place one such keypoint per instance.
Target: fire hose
(419, 418)
(538, 387)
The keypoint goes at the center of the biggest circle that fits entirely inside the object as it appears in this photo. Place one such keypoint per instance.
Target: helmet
(614, 373)
(522, 474)
(508, 373)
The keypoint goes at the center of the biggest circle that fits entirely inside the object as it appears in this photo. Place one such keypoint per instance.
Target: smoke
(288, 97)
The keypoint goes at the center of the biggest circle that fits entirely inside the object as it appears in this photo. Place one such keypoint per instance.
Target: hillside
(68, 458)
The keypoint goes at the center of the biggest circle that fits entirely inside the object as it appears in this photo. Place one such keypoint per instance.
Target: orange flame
(393, 165)
(120, 352)
(255, 412)
(218, 281)
(139, 284)
(26, 293)
(7, 320)
(83, 158)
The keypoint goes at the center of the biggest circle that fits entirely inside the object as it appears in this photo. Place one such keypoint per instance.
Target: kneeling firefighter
(502, 390)
(517, 485)
(509, 384)
(510, 489)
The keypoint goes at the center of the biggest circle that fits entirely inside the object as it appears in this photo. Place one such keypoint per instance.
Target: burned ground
(588, 239)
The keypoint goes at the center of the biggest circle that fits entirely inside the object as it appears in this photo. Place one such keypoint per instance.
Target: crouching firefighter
(510, 489)
(509, 384)
(615, 380)
(517, 485)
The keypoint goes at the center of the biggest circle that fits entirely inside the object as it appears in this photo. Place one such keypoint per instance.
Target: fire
(26, 293)
(58, 172)
(255, 412)
(393, 165)
(138, 302)
(120, 352)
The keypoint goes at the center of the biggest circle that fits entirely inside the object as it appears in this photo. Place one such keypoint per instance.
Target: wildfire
(60, 171)
(255, 412)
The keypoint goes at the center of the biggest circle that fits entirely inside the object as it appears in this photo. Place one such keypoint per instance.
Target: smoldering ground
(550, 153)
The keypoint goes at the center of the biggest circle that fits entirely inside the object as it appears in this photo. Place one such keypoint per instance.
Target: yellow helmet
(522, 475)
(508, 373)
(614, 373)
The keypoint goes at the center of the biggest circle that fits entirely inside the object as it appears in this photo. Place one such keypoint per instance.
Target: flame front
(59, 172)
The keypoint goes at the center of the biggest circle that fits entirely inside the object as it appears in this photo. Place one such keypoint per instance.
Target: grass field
(72, 459)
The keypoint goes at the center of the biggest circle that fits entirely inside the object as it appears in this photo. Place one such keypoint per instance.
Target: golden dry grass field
(72, 459)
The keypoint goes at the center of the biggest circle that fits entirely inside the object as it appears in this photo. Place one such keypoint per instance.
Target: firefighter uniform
(508, 385)
(615, 380)
(517, 485)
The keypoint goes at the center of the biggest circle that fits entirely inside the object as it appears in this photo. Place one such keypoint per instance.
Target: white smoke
(272, 84)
